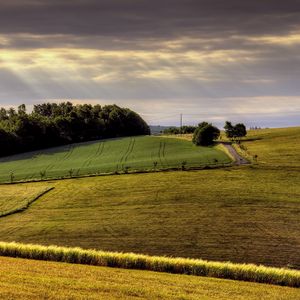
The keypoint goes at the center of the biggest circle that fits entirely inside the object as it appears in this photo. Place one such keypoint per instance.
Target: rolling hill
(133, 154)
(241, 214)
(246, 214)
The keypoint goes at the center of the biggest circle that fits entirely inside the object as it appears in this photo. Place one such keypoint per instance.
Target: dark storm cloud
(216, 56)
(149, 19)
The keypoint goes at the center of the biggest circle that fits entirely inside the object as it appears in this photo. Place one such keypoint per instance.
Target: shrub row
(197, 267)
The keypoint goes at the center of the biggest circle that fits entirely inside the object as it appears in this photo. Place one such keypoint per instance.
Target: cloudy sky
(207, 59)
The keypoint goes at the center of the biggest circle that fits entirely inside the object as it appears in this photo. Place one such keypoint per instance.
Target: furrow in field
(124, 155)
(90, 157)
(160, 154)
(164, 153)
(129, 152)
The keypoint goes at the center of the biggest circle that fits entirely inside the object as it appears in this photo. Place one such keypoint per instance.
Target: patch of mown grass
(19, 198)
(123, 155)
(240, 214)
(196, 267)
(31, 279)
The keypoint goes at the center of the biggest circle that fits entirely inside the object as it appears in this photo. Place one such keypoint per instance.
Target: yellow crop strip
(196, 267)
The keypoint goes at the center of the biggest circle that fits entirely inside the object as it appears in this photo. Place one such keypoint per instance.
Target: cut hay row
(196, 267)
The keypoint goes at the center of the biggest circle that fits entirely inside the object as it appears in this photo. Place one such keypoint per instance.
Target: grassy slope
(242, 215)
(18, 196)
(248, 214)
(275, 147)
(137, 153)
(28, 279)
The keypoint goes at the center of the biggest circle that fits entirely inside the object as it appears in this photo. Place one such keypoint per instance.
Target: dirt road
(239, 160)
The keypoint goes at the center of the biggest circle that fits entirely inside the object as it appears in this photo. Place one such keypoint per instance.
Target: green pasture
(234, 214)
(131, 154)
(241, 214)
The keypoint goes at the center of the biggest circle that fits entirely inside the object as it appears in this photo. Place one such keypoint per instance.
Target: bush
(205, 134)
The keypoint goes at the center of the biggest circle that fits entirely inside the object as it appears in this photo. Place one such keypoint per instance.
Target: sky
(211, 60)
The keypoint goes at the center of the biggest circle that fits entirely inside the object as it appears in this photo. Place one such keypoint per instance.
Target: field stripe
(196, 267)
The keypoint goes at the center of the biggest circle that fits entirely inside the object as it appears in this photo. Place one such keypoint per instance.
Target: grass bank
(196, 267)
(26, 279)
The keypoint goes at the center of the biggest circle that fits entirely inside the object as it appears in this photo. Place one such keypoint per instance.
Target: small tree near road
(235, 132)
(205, 134)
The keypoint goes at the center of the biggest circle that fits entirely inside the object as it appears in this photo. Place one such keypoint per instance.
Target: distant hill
(157, 129)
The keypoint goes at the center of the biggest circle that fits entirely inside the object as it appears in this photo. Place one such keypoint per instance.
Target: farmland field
(109, 156)
(199, 214)
(275, 147)
(29, 279)
(240, 214)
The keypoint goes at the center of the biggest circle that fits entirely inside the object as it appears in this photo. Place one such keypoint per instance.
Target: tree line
(52, 124)
(205, 133)
(186, 129)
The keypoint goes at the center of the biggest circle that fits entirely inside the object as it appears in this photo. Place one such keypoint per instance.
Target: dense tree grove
(177, 130)
(52, 124)
(205, 134)
(235, 132)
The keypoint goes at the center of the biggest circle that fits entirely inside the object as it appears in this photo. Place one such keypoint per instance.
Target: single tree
(205, 134)
(240, 130)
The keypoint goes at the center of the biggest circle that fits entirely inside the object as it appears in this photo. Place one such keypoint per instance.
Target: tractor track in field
(164, 153)
(130, 150)
(89, 159)
(69, 153)
(161, 153)
(98, 153)
(126, 154)
(100, 149)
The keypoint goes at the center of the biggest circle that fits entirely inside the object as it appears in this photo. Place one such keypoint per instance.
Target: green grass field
(29, 279)
(239, 214)
(246, 214)
(275, 147)
(109, 156)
